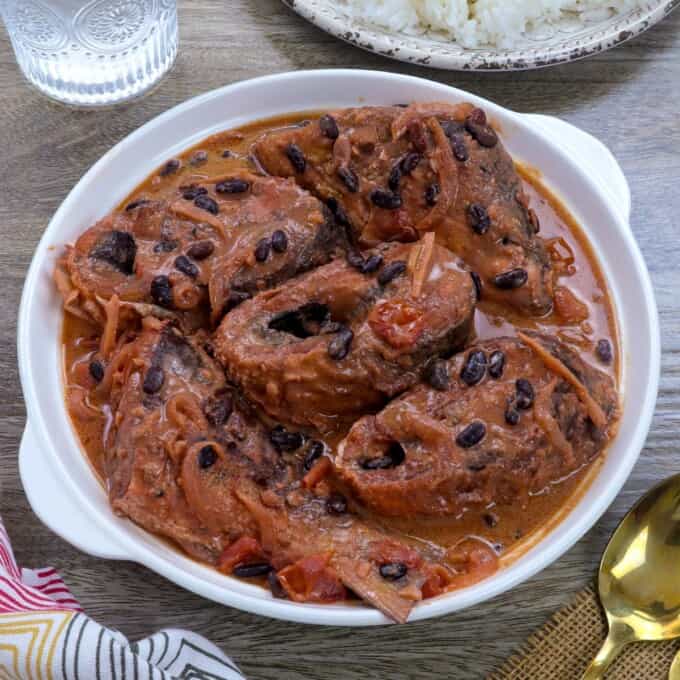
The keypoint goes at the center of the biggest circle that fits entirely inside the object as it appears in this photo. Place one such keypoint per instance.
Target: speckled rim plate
(436, 51)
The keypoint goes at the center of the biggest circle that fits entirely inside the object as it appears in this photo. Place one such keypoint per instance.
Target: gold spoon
(639, 579)
(674, 673)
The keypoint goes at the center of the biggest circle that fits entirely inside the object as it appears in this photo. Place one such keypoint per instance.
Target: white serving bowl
(56, 475)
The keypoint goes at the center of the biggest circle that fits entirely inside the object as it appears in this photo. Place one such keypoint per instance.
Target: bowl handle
(587, 151)
(57, 510)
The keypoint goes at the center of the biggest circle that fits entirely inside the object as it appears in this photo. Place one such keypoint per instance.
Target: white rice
(475, 23)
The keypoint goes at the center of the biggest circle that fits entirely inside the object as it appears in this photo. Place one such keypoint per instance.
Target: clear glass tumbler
(94, 52)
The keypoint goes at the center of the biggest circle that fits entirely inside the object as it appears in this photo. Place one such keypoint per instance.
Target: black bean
(459, 148)
(604, 351)
(339, 346)
(432, 194)
(474, 368)
(279, 241)
(490, 520)
(251, 570)
(486, 136)
(511, 415)
(218, 409)
(451, 127)
(476, 124)
(226, 153)
(395, 455)
(391, 571)
(153, 380)
(284, 440)
(232, 186)
(391, 271)
(200, 250)
(296, 157)
(137, 204)
(314, 452)
(186, 266)
(525, 394)
(189, 193)
(477, 281)
(471, 435)
(235, 298)
(336, 504)
(262, 249)
(478, 218)
(386, 200)
(207, 457)
(97, 370)
(206, 203)
(372, 264)
(118, 248)
(328, 126)
(515, 278)
(355, 259)
(199, 157)
(409, 162)
(394, 177)
(477, 116)
(165, 246)
(338, 213)
(437, 374)
(275, 586)
(170, 167)
(496, 364)
(349, 178)
(161, 291)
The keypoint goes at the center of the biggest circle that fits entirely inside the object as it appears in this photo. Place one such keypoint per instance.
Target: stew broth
(504, 527)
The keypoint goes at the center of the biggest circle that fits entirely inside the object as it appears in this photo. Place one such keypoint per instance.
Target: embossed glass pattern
(92, 53)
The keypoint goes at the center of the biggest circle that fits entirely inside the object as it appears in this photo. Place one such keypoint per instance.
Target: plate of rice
(484, 34)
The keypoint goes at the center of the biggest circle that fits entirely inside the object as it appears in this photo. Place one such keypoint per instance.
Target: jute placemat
(563, 648)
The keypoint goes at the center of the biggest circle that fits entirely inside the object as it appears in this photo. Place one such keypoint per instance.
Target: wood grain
(628, 97)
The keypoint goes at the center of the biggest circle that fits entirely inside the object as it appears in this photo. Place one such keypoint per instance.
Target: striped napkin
(44, 634)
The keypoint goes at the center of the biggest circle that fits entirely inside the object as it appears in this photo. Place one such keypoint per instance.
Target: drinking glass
(95, 52)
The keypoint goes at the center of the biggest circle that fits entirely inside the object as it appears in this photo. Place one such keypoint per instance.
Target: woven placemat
(563, 648)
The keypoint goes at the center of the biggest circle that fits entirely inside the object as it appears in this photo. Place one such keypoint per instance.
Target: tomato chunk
(472, 560)
(389, 552)
(243, 551)
(311, 579)
(397, 322)
(437, 581)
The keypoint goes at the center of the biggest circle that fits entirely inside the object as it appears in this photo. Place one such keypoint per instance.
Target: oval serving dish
(60, 483)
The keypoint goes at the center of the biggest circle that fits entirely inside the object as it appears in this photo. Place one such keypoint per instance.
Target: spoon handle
(608, 652)
(674, 672)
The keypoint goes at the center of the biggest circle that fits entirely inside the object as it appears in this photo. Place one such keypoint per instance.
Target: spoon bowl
(639, 576)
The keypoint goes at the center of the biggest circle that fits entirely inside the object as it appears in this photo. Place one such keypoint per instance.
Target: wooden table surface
(628, 97)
